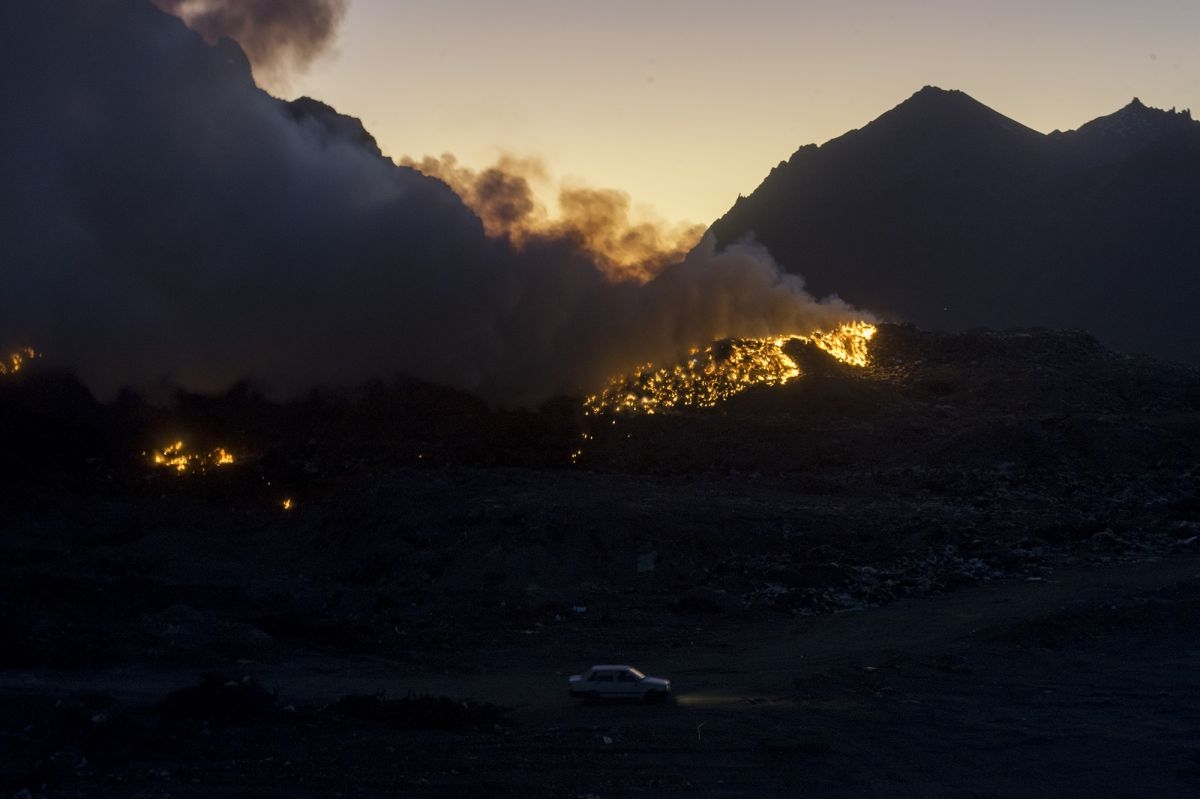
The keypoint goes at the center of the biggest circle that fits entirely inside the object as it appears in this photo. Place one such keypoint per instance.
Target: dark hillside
(949, 215)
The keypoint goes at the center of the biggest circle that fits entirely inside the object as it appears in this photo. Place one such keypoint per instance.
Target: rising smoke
(166, 220)
(599, 220)
(278, 36)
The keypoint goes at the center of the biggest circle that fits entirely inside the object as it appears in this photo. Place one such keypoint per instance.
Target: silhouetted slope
(948, 214)
(1112, 138)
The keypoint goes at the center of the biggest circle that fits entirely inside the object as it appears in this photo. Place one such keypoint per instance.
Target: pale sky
(684, 105)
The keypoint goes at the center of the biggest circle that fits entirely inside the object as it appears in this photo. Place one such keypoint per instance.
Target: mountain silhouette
(947, 214)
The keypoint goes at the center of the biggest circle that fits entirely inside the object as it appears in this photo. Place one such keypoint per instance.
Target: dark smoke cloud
(279, 36)
(165, 220)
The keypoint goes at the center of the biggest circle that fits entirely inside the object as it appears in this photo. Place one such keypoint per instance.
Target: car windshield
(637, 674)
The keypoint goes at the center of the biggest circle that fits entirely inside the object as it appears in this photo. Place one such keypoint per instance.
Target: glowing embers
(706, 378)
(716, 373)
(16, 361)
(850, 343)
(175, 456)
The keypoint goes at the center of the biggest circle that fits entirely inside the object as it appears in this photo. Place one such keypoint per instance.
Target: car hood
(656, 682)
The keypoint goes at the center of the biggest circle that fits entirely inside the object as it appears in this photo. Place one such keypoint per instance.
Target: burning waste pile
(175, 456)
(384, 269)
(712, 375)
(327, 245)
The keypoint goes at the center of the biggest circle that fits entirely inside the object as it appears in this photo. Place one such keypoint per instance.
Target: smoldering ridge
(168, 221)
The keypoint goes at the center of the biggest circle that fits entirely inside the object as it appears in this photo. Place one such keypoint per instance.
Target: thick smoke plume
(599, 220)
(165, 220)
(279, 36)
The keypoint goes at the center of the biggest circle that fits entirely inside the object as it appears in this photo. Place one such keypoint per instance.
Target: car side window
(626, 677)
(604, 676)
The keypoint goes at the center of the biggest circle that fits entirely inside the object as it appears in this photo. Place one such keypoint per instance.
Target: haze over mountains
(950, 215)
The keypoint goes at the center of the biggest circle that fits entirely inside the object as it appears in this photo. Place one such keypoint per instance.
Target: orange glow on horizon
(686, 111)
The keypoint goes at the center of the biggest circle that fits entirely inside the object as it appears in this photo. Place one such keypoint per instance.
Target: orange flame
(712, 375)
(16, 361)
(175, 456)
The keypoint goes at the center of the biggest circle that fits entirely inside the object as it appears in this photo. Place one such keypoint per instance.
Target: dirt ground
(1084, 684)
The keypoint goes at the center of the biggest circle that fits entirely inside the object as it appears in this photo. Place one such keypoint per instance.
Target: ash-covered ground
(970, 569)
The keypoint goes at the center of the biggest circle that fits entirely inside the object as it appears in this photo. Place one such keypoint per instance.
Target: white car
(618, 682)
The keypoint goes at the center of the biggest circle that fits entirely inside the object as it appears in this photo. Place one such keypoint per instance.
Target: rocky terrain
(972, 568)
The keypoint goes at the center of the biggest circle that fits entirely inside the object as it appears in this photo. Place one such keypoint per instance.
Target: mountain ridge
(946, 213)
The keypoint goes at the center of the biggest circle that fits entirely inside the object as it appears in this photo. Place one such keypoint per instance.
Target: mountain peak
(942, 113)
(929, 90)
(1136, 123)
(935, 96)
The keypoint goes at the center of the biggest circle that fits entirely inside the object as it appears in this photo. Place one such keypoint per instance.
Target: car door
(627, 684)
(603, 682)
